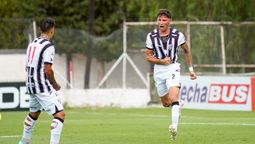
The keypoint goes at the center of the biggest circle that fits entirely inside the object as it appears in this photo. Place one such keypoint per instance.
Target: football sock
(29, 124)
(175, 114)
(56, 128)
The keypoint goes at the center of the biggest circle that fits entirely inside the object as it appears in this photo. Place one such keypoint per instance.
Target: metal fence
(217, 48)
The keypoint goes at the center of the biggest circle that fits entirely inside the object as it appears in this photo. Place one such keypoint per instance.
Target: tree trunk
(91, 15)
(100, 72)
(69, 69)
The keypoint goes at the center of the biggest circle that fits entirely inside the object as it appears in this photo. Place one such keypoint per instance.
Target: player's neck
(45, 36)
(164, 32)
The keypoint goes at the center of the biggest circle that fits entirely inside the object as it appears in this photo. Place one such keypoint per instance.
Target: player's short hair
(164, 12)
(46, 24)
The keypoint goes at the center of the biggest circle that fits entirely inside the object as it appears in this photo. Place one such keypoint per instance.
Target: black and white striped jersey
(40, 51)
(165, 47)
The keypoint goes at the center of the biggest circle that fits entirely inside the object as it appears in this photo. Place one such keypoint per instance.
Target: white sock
(175, 115)
(56, 128)
(29, 125)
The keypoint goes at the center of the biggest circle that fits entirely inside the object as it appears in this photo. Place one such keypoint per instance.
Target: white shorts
(50, 102)
(166, 76)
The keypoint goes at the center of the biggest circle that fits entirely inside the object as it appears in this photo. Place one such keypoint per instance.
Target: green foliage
(14, 33)
(67, 13)
(239, 46)
(136, 37)
(203, 10)
(108, 48)
(70, 40)
(109, 16)
(8, 8)
(206, 40)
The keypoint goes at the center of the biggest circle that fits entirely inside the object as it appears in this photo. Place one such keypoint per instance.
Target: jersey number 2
(173, 76)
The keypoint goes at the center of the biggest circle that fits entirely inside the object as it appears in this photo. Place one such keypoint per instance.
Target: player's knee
(34, 115)
(56, 125)
(63, 114)
(166, 104)
(175, 103)
(29, 122)
(60, 114)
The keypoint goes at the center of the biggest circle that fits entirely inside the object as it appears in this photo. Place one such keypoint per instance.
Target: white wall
(13, 70)
(12, 67)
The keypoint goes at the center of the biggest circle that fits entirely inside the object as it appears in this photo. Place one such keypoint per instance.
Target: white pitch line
(197, 117)
(222, 124)
(10, 136)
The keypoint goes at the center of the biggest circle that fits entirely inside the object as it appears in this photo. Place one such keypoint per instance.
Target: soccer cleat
(173, 132)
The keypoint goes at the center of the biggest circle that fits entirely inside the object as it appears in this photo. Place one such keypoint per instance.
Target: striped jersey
(40, 51)
(165, 47)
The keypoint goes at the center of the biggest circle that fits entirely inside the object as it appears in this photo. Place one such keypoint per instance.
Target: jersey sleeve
(49, 55)
(181, 39)
(149, 42)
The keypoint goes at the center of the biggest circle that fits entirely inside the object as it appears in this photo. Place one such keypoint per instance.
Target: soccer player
(162, 50)
(41, 84)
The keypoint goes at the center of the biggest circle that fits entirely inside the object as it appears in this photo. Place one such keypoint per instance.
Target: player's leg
(162, 91)
(166, 100)
(173, 84)
(174, 96)
(30, 120)
(56, 127)
(171, 100)
(52, 105)
(167, 94)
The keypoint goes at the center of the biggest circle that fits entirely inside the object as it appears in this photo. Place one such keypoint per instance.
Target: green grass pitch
(136, 126)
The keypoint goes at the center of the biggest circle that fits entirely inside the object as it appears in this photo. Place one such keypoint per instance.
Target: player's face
(163, 22)
(51, 32)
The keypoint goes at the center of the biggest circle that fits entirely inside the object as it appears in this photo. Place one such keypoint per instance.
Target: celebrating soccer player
(162, 50)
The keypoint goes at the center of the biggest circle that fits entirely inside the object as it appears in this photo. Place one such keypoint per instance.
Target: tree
(91, 16)
(72, 16)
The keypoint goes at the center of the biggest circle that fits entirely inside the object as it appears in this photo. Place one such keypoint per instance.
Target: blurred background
(101, 43)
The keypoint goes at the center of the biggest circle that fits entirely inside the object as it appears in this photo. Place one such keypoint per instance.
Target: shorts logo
(228, 93)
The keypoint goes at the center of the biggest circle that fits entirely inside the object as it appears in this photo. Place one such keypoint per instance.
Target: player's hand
(193, 75)
(165, 61)
(56, 86)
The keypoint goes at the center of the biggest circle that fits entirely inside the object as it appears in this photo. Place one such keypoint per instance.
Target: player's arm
(50, 76)
(150, 58)
(188, 57)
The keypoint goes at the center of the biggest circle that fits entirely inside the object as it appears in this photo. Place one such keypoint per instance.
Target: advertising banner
(13, 96)
(219, 93)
